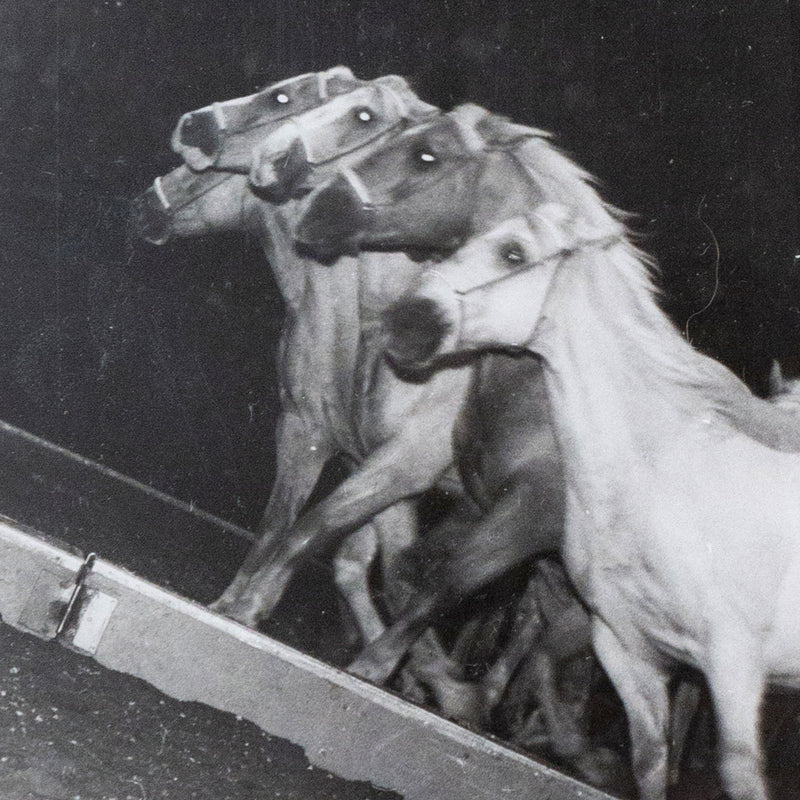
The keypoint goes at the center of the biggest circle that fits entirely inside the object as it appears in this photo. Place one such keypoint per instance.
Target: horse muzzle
(416, 330)
(198, 139)
(150, 217)
(282, 175)
(333, 221)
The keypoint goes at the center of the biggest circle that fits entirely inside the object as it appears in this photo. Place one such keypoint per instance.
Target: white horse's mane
(624, 278)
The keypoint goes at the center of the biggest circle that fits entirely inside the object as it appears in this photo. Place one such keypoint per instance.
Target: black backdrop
(159, 362)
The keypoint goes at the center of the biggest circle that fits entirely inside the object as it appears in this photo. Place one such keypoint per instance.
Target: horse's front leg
(642, 686)
(398, 470)
(302, 451)
(736, 682)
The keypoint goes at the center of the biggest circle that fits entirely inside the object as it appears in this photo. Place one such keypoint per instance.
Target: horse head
(491, 292)
(419, 191)
(222, 135)
(259, 139)
(186, 203)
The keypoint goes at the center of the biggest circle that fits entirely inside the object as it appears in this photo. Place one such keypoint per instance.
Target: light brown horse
(431, 187)
(337, 393)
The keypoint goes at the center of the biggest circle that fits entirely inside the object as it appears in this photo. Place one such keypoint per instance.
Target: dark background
(159, 362)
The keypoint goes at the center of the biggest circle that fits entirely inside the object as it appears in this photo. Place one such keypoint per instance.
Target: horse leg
(391, 530)
(642, 687)
(301, 454)
(685, 702)
(392, 472)
(525, 630)
(737, 686)
(476, 555)
(567, 640)
(351, 575)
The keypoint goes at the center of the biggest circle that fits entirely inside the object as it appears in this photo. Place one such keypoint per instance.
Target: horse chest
(629, 563)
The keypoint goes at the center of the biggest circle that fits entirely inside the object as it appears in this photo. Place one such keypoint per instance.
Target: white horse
(683, 532)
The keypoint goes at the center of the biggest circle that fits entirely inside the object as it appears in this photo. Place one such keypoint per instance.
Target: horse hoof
(467, 707)
(599, 766)
(369, 670)
(236, 609)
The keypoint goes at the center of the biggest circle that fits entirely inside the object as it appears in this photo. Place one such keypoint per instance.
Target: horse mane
(625, 278)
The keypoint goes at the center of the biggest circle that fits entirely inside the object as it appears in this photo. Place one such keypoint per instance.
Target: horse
(335, 395)
(683, 529)
(425, 190)
(221, 136)
(783, 391)
(434, 185)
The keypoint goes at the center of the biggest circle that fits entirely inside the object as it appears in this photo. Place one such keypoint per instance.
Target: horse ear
(396, 82)
(342, 72)
(500, 131)
(340, 80)
(777, 383)
(413, 108)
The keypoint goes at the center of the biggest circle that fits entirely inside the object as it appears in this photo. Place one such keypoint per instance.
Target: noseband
(604, 243)
(170, 208)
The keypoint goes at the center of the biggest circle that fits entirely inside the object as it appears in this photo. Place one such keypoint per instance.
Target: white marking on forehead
(357, 185)
(161, 194)
(322, 85)
(219, 116)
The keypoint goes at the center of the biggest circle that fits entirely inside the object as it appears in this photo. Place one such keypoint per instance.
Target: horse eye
(280, 98)
(512, 253)
(364, 115)
(425, 158)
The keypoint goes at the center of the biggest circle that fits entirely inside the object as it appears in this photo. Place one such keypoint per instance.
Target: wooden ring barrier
(345, 725)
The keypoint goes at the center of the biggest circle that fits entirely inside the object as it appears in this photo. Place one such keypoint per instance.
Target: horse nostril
(332, 220)
(149, 220)
(416, 328)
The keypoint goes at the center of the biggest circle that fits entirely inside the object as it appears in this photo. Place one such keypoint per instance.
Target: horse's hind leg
(737, 684)
(642, 686)
(392, 530)
(351, 566)
(525, 630)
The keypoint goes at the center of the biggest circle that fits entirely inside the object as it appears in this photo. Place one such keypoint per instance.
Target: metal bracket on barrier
(80, 579)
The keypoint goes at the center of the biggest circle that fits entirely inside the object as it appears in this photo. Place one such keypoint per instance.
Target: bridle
(400, 118)
(399, 115)
(563, 254)
(603, 243)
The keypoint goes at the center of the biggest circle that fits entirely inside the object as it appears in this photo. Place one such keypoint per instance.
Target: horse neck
(624, 386)
(372, 280)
